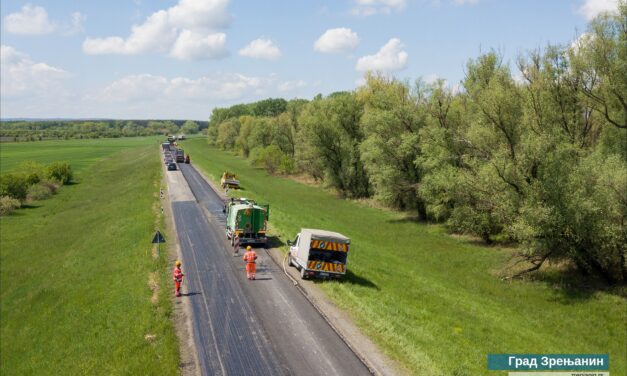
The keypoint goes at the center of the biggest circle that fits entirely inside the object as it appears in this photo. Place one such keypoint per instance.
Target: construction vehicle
(229, 180)
(247, 219)
(180, 156)
(319, 253)
(187, 159)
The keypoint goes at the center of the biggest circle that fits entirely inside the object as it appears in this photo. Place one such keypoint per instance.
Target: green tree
(330, 133)
(391, 124)
(227, 134)
(189, 127)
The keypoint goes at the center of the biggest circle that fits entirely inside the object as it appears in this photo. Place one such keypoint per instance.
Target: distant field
(74, 270)
(430, 300)
(80, 153)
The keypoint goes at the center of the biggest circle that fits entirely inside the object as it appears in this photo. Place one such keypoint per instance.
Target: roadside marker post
(158, 239)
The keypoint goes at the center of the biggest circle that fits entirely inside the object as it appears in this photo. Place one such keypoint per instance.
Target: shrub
(38, 192)
(14, 185)
(34, 172)
(8, 205)
(61, 171)
(52, 185)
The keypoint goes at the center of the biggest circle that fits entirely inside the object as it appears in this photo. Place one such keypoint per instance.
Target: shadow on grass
(571, 286)
(30, 206)
(353, 279)
(409, 218)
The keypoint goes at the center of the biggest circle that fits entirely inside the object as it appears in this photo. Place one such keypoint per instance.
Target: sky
(178, 59)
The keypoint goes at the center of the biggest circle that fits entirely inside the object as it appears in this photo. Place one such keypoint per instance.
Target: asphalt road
(241, 327)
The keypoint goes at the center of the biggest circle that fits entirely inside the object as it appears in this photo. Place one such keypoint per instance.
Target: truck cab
(319, 253)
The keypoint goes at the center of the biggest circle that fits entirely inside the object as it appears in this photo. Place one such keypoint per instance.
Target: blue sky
(178, 59)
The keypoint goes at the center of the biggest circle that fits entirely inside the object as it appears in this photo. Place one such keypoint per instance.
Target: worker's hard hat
(249, 248)
(178, 263)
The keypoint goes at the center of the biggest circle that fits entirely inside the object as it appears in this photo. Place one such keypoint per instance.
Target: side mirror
(289, 242)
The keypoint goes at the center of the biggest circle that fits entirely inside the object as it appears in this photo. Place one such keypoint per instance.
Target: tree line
(37, 130)
(537, 157)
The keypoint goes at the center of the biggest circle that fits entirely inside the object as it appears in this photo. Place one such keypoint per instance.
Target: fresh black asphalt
(241, 327)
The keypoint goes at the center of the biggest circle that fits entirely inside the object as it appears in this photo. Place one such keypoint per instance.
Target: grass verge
(75, 295)
(428, 299)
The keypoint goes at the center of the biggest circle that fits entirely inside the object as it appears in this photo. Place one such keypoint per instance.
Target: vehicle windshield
(327, 256)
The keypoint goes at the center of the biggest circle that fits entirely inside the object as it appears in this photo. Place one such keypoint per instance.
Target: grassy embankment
(74, 270)
(428, 299)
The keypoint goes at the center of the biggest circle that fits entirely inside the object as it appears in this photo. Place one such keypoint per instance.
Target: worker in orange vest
(178, 278)
(249, 257)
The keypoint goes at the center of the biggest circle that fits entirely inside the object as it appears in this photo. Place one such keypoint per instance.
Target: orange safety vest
(177, 274)
(250, 257)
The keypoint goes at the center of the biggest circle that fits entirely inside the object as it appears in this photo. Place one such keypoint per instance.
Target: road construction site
(240, 327)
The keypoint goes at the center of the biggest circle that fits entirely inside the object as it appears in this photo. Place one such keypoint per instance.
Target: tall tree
(391, 124)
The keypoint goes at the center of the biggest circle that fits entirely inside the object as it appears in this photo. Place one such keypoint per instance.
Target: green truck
(247, 219)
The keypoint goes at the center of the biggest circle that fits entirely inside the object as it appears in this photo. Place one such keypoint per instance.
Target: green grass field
(430, 300)
(81, 153)
(74, 269)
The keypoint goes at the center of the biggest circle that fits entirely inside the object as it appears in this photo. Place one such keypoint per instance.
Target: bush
(61, 171)
(14, 185)
(270, 158)
(8, 205)
(38, 192)
(52, 185)
(34, 172)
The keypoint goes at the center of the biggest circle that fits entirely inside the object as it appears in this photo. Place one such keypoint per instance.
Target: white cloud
(200, 15)
(261, 49)
(337, 41)
(195, 46)
(219, 87)
(592, 8)
(31, 20)
(22, 77)
(291, 85)
(370, 7)
(464, 2)
(390, 57)
(184, 30)
(76, 25)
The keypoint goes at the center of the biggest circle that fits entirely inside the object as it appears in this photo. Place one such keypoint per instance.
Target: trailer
(319, 253)
(247, 219)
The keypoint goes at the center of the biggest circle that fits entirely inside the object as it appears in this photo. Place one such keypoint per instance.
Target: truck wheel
(289, 260)
(302, 273)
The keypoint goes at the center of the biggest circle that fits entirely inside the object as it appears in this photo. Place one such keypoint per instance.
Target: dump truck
(180, 156)
(319, 253)
(247, 219)
(229, 180)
